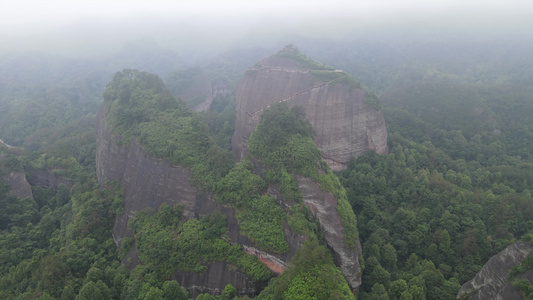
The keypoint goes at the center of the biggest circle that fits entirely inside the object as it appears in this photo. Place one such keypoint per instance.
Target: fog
(100, 27)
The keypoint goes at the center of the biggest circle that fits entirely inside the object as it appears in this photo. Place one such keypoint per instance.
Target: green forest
(454, 189)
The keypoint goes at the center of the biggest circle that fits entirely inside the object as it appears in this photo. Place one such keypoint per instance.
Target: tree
(389, 257)
(154, 294)
(94, 291)
(378, 292)
(229, 292)
(397, 288)
(173, 291)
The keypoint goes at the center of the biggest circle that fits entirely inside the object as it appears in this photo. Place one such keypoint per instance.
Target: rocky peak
(345, 117)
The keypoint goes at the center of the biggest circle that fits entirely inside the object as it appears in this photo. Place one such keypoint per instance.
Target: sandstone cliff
(324, 208)
(15, 178)
(338, 108)
(149, 182)
(18, 183)
(492, 281)
(47, 178)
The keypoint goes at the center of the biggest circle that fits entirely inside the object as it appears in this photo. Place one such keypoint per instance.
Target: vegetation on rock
(139, 106)
(167, 242)
(311, 275)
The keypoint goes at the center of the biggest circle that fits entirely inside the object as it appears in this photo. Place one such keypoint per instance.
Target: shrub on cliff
(283, 141)
(138, 105)
(167, 242)
(311, 275)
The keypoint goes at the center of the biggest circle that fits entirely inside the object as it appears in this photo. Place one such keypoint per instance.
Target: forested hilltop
(454, 190)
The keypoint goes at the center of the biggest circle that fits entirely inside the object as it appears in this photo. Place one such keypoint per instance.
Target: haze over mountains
(200, 28)
(273, 149)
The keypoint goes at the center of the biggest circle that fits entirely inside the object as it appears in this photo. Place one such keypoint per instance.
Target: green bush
(138, 105)
(283, 141)
(166, 242)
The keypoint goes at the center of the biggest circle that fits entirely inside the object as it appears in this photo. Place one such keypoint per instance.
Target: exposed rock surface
(149, 182)
(16, 179)
(491, 282)
(323, 205)
(19, 185)
(345, 125)
(213, 281)
(47, 179)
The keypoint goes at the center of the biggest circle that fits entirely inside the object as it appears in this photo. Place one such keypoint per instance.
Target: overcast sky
(62, 24)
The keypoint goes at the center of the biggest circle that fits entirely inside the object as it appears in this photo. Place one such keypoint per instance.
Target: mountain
(346, 118)
(159, 152)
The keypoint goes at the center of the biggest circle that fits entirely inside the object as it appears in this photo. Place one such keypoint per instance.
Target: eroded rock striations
(492, 281)
(149, 182)
(323, 205)
(338, 108)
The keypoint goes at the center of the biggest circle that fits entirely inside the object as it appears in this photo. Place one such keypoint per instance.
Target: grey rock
(323, 205)
(47, 178)
(19, 185)
(492, 282)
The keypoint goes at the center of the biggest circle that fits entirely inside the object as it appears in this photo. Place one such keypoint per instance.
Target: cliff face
(19, 185)
(491, 282)
(16, 179)
(345, 125)
(148, 182)
(47, 179)
(323, 205)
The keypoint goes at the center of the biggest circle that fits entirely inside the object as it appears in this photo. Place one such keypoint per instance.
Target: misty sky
(62, 25)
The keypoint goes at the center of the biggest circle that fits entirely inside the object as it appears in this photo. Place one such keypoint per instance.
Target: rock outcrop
(149, 182)
(47, 178)
(346, 125)
(323, 205)
(19, 185)
(16, 179)
(492, 281)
